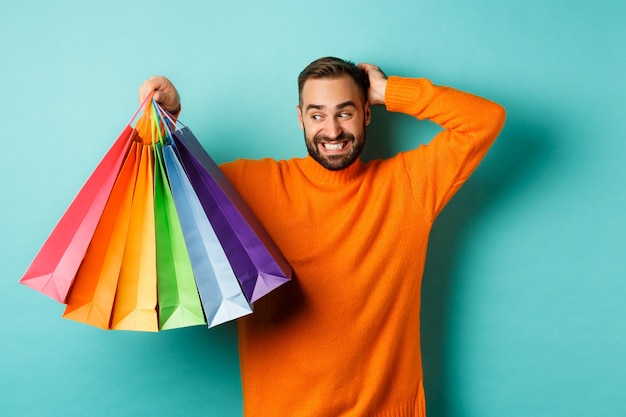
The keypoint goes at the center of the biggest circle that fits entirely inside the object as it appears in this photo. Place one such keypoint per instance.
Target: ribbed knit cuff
(402, 94)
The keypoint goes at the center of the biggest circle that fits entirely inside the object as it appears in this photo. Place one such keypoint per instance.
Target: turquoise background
(524, 292)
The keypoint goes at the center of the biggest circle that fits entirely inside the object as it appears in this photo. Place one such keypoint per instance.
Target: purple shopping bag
(256, 260)
(220, 293)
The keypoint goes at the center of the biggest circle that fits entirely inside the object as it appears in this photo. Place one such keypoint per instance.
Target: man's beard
(336, 162)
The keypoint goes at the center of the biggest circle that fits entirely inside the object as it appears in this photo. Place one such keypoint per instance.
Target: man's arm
(470, 125)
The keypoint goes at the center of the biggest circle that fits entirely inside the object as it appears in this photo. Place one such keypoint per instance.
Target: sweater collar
(317, 173)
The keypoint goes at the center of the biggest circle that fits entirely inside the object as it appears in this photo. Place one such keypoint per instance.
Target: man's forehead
(330, 91)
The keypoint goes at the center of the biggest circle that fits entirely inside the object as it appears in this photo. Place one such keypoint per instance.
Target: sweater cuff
(403, 93)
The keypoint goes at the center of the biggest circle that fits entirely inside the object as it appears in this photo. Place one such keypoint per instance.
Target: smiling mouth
(334, 146)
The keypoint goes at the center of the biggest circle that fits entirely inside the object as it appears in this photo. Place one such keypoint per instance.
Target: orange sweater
(343, 338)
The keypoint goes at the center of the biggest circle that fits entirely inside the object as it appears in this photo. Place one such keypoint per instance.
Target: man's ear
(368, 113)
(300, 120)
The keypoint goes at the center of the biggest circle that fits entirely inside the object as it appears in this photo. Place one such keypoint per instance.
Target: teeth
(333, 146)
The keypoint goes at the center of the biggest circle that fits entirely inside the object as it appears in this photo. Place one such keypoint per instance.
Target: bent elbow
(497, 118)
(500, 116)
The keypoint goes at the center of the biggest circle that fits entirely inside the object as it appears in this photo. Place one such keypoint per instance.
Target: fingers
(164, 93)
(148, 87)
(378, 83)
(372, 70)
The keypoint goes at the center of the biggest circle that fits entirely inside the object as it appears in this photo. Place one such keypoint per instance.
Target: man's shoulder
(258, 167)
(400, 159)
(261, 162)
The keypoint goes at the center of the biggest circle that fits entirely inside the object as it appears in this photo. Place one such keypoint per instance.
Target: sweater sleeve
(470, 126)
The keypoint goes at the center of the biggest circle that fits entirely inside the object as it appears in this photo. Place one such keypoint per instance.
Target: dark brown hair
(330, 67)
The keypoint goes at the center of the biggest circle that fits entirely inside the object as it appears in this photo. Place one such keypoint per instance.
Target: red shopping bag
(54, 268)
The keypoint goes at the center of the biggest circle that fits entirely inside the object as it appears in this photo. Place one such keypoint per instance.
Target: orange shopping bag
(136, 297)
(92, 295)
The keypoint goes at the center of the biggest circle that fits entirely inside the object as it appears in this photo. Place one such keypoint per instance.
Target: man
(343, 338)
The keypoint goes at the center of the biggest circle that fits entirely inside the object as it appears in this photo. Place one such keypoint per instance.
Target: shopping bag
(135, 301)
(93, 292)
(220, 293)
(256, 261)
(53, 269)
(137, 250)
(179, 302)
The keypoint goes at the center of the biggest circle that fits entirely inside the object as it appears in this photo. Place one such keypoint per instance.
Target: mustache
(343, 136)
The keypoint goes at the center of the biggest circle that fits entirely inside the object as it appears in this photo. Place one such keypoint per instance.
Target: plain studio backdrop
(523, 308)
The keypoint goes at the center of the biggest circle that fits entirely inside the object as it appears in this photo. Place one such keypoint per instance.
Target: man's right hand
(165, 93)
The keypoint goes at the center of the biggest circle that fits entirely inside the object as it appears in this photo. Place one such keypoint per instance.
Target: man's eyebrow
(345, 104)
(315, 107)
(339, 106)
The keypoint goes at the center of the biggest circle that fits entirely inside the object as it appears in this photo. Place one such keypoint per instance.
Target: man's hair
(331, 68)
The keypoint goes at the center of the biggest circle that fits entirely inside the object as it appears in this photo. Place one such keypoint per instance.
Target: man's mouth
(333, 146)
(335, 153)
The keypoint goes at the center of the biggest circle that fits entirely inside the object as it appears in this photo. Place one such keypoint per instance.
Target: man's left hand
(378, 84)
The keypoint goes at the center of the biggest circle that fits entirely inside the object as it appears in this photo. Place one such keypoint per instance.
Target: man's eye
(316, 117)
(344, 115)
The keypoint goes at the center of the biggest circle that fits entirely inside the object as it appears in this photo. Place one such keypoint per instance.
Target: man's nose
(333, 128)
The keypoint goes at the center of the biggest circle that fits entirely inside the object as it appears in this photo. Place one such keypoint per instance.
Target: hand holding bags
(157, 239)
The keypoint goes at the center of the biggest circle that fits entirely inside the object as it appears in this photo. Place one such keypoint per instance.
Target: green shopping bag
(179, 302)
